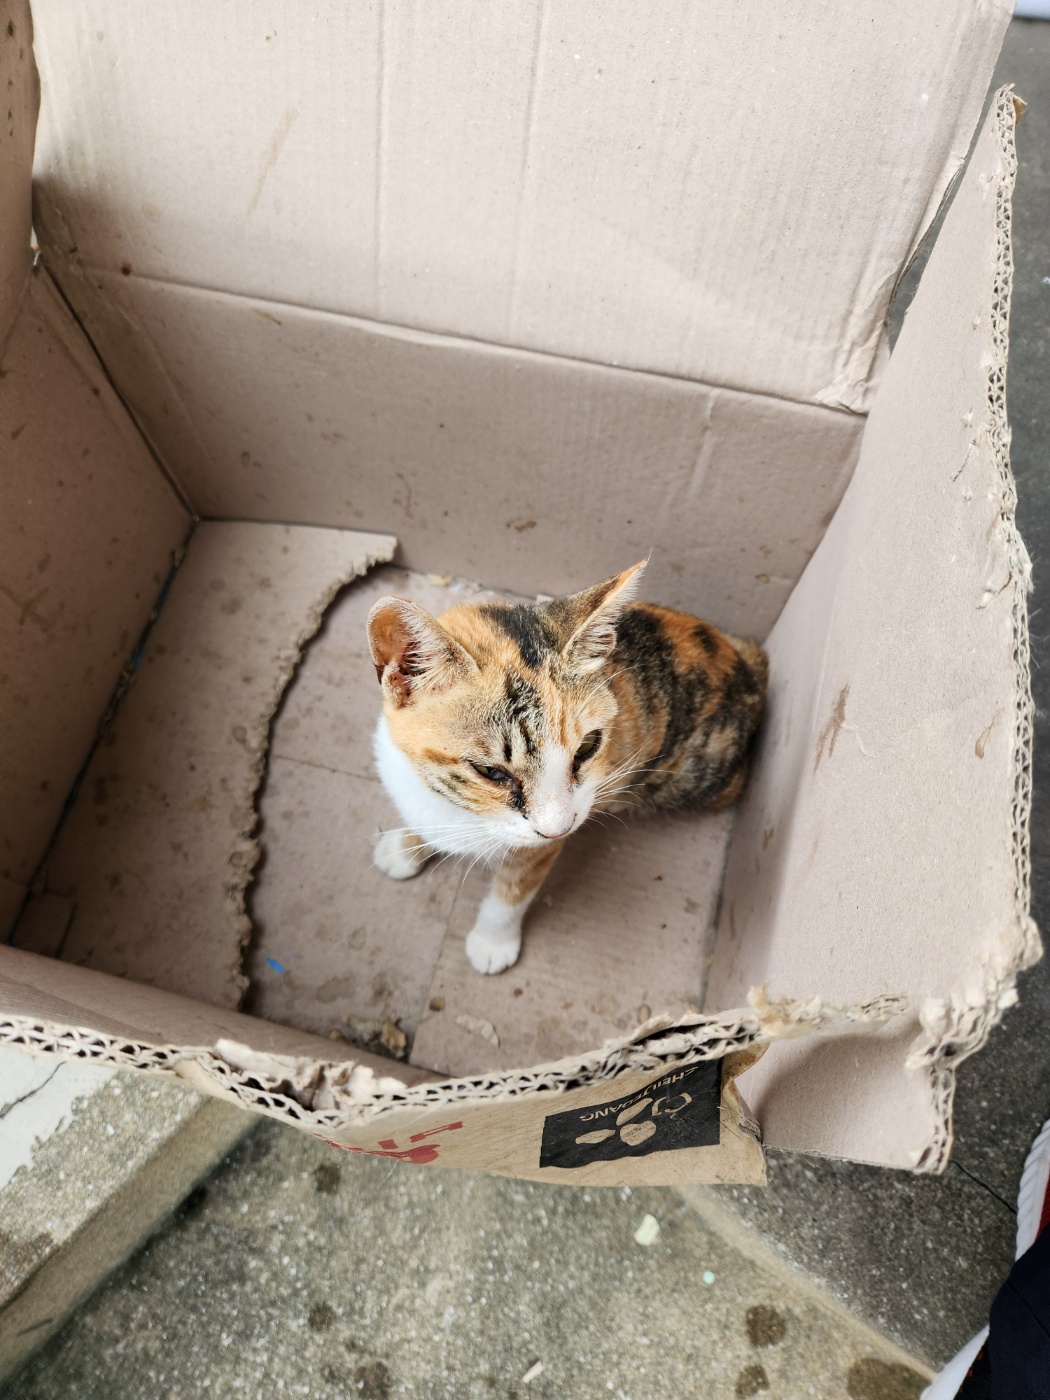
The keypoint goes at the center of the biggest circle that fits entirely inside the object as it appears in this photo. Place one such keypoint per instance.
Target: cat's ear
(595, 612)
(412, 652)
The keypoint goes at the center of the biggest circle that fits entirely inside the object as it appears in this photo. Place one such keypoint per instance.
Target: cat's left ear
(593, 640)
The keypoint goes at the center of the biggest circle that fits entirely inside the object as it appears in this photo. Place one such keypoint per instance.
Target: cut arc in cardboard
(495, 422)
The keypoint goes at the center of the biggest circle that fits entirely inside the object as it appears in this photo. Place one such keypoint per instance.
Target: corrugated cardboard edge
(954, 1029)
(327, 1097)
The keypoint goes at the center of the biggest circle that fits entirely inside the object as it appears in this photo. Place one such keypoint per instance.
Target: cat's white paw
(493, 949)
(399, 856)
(493, 944)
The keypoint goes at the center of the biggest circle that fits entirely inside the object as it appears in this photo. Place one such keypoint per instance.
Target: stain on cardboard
(836, 723)
(982, 740)
(270, 158)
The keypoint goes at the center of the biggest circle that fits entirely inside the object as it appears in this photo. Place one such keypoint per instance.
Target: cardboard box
(520, 293)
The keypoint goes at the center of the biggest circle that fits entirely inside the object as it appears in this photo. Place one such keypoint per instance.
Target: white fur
(398, 860)
(436, 820)
(493, 944)
(553, 807)
(558, 807)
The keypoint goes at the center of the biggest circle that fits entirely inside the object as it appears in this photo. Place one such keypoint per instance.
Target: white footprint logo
(634, 1133)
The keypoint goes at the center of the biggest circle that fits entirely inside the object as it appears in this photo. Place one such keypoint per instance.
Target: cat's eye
(487, 770)
(589, 745)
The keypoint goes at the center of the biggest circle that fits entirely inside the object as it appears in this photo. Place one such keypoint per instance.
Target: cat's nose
(552, 815)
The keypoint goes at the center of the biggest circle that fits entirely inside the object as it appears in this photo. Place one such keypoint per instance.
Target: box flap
(54, 1008)
(91, 530)
(724, 194)
(884, 842)
(657, 1107)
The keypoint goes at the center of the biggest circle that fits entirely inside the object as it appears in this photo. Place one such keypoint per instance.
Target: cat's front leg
(401, 854)
(493, 944)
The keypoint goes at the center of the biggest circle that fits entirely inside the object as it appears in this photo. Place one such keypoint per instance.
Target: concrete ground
(299, 1271)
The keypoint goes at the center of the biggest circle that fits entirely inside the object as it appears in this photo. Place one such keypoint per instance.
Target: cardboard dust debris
(512, 299)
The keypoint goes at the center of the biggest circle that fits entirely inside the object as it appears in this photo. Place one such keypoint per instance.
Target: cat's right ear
(412, 652)
(599, 608)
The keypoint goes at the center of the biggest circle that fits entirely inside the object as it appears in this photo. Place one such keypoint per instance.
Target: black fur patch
(531, 633)
(682, 695)
(522, 707)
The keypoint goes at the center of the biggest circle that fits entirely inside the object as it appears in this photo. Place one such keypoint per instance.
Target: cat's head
(504, 709)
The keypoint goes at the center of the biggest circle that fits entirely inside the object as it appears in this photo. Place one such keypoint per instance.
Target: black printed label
(680, 1109)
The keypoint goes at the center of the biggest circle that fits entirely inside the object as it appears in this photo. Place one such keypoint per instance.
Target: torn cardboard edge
(954, 1029)
(369, 550)
(349, 1103)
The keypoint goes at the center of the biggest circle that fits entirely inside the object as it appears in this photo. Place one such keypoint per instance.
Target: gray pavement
(298, 1270)
(91, 1163)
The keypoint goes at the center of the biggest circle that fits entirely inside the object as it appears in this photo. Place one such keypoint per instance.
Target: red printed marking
(447, 1128)
(388, 1147)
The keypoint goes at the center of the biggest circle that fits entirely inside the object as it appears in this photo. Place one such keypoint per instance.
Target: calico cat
(505, 726)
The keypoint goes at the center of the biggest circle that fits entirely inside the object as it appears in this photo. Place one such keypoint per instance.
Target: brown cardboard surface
(91, 530)
(333, 937)
(506, 1138)
(21, 91)
(526, 471)
(602, 180)
(354, 1100)
(158, 848)
(619, 931)
(884, 840)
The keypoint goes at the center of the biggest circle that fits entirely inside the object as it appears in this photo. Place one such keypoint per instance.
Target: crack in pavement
(973, 1177)
(29, 1093)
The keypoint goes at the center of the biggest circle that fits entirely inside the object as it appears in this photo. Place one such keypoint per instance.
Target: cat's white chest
(439, 822)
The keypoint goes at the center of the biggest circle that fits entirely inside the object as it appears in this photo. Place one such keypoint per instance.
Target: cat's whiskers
(624, 770)
(611, 779)
(484, 854)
